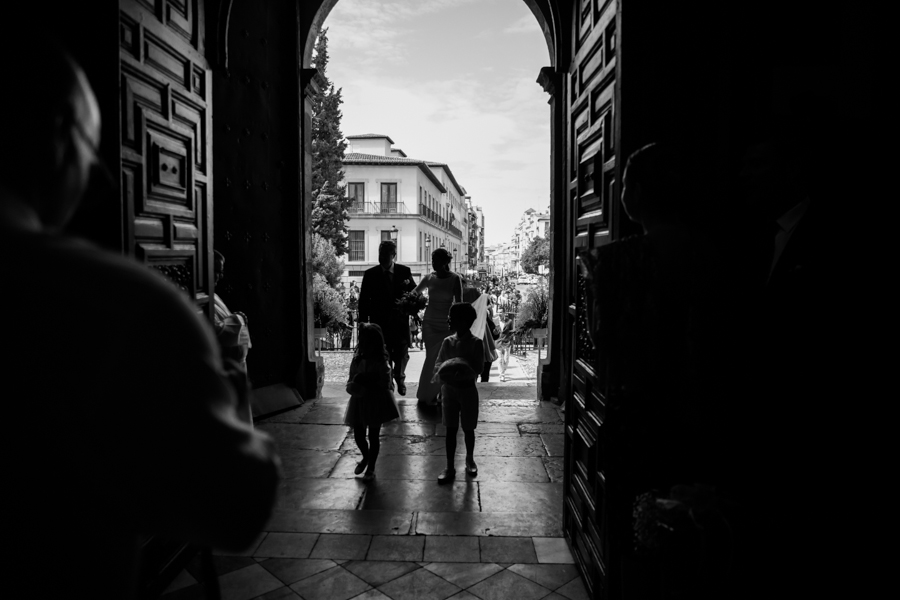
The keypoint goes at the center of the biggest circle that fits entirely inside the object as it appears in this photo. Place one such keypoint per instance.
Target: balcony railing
(438, 220)
(378, 208)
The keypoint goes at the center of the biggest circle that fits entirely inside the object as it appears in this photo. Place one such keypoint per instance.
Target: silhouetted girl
(371, 390)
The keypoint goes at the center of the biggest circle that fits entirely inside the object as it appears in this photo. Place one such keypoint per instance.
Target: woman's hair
(371, 342)
(442, 255)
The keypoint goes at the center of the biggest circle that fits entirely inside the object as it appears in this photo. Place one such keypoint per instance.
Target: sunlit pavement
(403, 536)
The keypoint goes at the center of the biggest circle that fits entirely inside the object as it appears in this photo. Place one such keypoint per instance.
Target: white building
(421, 199)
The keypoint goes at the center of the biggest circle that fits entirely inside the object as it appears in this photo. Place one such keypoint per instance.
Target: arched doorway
(156, 73)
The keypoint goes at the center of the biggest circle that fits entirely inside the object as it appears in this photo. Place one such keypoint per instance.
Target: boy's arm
(443, 354)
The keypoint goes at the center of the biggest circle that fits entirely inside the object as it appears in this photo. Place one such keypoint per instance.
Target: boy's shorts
(460, 406)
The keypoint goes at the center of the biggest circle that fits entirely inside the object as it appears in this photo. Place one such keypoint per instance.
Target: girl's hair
(371, 342)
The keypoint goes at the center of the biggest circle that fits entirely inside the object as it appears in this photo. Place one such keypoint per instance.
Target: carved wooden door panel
(166, 161)
(166, 176)
(593, 186)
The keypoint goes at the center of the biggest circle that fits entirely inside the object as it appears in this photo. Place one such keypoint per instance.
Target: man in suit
(382, 286)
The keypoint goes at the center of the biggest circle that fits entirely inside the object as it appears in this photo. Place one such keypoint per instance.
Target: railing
(438, 220)
(378, 208)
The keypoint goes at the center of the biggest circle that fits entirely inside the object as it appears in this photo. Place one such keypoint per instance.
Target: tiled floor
(403, 536)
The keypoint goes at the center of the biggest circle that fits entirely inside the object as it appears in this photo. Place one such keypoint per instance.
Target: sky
(451, 81)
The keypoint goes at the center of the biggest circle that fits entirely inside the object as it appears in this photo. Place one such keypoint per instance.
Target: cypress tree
(330, 201)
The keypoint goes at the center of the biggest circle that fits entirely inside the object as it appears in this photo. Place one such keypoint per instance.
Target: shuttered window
(357, 245)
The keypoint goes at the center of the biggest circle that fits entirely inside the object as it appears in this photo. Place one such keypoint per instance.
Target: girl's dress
(371, 392)
(435, 328)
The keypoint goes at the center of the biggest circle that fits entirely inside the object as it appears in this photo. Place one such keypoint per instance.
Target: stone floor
(403, 536)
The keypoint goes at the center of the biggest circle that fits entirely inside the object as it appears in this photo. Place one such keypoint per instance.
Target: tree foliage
(536, 254)
(329, 307)
(535, 310)
(329, 196)
(325, 261)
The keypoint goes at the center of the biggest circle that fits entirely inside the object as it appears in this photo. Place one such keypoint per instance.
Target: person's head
(218, 265)
(768, 178)
(462, 316)
(440, 260)
(387, 253)
(650, 190)
(371, 341)
(509, 317)
(50, 134)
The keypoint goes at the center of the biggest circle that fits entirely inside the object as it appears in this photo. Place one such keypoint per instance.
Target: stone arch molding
(314, 13)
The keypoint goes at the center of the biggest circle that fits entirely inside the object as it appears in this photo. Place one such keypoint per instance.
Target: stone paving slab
(342, 494)
(492, 446)
(518, 414)
(399, 428)
(371, 522)
(301, 463)
(422, 495)
(484, 429)
(326, 414)
(555, 468)
(484, 523)
(542, 428)
(554, 443)
(404, 467)
(305, 436)
(544, 498)
(406, 446)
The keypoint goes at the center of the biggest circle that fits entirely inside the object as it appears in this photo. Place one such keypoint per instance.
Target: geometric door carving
(592, 184)
(166, 164)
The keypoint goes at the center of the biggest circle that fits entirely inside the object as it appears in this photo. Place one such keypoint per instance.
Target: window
(357, 194)
(388, 197)
(357, 245)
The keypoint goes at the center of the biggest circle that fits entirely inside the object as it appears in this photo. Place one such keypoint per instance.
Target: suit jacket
(377, 301)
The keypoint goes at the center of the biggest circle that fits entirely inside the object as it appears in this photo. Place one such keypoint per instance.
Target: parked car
(523, 279)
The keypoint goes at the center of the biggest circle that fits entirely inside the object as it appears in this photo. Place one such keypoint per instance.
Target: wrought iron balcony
(378, 208)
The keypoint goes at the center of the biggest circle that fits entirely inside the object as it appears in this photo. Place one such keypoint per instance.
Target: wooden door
(166, 162)
(166, 176)
(593, 190)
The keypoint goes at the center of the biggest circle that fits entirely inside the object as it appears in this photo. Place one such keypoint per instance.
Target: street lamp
(394, 233)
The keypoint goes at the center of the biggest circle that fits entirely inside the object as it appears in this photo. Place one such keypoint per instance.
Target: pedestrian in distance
(372, 401)
(458, 365)
(504, 343)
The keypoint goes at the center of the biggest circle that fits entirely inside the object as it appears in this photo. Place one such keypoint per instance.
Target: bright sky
(451, 81)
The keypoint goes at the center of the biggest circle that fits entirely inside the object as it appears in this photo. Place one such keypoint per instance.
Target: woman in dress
(444, 287)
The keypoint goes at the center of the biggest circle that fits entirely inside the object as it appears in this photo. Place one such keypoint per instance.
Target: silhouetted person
(231, 328)
(382, 286)
(648, 293)
(121, 420)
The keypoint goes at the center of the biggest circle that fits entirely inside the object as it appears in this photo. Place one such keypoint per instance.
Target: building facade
(419, 203)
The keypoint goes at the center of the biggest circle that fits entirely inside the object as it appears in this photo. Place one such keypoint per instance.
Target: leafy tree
(329, 307)
(329, 196)
(325, 261)
(536, 254)
(535, 310)
(329, 216)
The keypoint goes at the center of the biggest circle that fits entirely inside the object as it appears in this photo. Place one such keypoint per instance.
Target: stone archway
(547, 13)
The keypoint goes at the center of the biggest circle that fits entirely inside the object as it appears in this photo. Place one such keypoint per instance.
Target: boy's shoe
(447, 475)
(471, 468)
(361, 466)
(369, 476)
